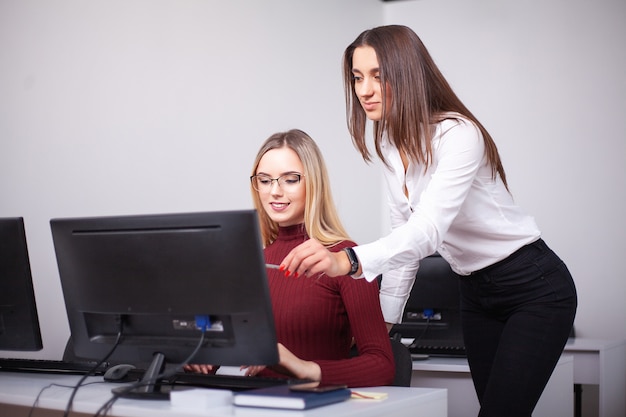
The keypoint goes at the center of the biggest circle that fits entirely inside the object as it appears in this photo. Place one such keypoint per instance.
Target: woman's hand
(288, 363)
(301, 369)
(252, 370)
(311, 257)
(202, 368)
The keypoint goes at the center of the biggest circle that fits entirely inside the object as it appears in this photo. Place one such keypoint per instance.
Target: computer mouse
(117, 373)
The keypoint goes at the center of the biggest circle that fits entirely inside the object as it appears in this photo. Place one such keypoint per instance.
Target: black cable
(32, 408)
(68, 408)
(414, 344)
(36, 401)
(74, 387)
(106, 407)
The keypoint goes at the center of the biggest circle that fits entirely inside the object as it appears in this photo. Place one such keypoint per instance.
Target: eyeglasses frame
(253, 182)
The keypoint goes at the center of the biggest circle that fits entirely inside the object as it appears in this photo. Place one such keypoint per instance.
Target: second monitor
(19, 322)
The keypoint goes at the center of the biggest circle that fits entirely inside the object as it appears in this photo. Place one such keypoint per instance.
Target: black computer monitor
(154, 276)
(19, 323)
(432, 315)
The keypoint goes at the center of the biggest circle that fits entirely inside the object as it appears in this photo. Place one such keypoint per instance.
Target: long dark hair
(421, 97)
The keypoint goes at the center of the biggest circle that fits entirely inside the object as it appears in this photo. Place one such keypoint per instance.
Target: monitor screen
(154, 276)
(19, 323)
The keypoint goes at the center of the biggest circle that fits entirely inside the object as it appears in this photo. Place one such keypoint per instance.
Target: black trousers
(517, 315)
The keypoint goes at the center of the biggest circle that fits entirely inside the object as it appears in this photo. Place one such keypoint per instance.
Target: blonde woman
(317, 320)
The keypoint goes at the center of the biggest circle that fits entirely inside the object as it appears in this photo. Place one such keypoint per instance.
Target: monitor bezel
(87, 258)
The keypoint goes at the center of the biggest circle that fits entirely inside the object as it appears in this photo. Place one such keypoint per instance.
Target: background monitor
(432, 315)
(156, 274)
(19, 323)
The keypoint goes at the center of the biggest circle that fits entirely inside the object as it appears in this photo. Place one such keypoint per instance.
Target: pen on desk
(272, 266)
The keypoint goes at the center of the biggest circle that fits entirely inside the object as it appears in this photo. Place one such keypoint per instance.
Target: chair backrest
(404, 364)
(402, 359)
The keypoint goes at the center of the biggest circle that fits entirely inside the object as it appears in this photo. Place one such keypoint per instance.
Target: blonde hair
(321, 220)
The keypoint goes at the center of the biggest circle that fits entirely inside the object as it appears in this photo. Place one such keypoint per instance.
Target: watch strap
(354, 261)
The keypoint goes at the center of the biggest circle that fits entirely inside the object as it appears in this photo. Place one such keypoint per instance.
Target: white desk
(557, 399)
(602, 363)
(21, 389)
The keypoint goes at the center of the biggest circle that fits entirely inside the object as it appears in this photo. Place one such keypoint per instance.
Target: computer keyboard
(51, 366)
(230, 382)
(438, 350)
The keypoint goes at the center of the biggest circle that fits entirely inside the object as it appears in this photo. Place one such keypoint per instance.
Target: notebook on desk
(286, 397)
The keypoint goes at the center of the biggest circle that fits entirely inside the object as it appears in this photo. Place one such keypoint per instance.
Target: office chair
(404, 364)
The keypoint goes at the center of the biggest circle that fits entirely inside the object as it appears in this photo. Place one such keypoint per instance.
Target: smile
(279, 206)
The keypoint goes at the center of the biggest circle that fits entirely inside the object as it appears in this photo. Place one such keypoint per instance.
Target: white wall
(547, 78)
(150, 106)
(153, 106)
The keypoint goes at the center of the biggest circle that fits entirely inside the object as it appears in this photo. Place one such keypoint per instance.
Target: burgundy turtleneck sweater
(316, 318)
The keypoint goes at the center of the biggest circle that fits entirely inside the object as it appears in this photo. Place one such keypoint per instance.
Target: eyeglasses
(287, 182)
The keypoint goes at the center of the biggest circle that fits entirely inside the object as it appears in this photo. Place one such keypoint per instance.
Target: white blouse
(455, 207)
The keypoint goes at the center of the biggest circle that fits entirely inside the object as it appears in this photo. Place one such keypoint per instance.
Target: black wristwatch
(354, 261)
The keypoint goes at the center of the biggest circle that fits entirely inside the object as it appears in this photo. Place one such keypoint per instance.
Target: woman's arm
(374, 365)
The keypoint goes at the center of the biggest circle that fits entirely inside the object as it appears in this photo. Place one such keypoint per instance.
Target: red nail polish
(296, 274)
(287, 273)
(281, 268)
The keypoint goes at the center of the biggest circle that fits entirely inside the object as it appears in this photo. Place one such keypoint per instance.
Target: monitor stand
(149, 387)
